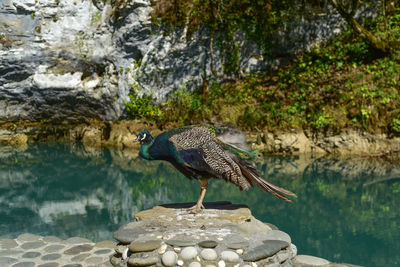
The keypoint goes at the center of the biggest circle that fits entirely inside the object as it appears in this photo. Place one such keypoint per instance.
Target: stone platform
(29, 250)
(221, 235)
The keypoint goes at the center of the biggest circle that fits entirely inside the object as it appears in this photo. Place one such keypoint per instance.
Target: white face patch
(143, 137)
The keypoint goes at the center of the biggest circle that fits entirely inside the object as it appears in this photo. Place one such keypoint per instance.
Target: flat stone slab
(265, 250)
(222, 234)
(307, 260)
(29, 250)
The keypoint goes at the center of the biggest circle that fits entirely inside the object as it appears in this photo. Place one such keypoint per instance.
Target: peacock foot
(195, 209)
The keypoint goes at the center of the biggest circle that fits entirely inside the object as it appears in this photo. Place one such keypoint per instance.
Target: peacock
(204, 152)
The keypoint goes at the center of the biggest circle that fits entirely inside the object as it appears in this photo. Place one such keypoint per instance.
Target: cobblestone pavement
(29, 250)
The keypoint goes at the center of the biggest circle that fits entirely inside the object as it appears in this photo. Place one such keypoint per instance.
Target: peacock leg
(199, 206)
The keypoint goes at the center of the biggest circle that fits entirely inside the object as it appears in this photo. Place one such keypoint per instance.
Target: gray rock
(51, 257)
(278, 235)
(266, 250)
(143, 261)
(49, 264)
(229, 256)
(6, 243)
(106, 244)
(237, 245)
(188, 253)
(169, 258)
(53, 248)
(128, 233)
(77, 240)
(72, 265)
(209, 254)
(10, 252)
(102, 251)
(52, 239)
(31, 254)
(143, 246)
(28, 237)
(208, 244)
(310, 261)
(24, 264)
(6, 261)
(94, 260)
(180, 243)
(78, 249)
(33, 245)
(80, 257)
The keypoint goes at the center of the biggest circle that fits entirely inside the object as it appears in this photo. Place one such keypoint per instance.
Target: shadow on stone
(219, 205)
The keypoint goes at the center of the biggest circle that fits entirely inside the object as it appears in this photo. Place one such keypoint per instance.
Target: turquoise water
(347, 210)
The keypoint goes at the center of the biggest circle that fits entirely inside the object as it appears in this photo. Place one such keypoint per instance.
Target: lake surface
(347, 210)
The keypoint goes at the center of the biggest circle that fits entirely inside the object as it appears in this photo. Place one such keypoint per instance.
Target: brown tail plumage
(251, 174)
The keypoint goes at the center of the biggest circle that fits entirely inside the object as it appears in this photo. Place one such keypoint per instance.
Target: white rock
(180, 262)
(169, 258)
(162, 249)
(229, 256)
(208, 254)
(239, 251)
(194, 264)
(188, 253)
(254, 264)
(221, 264)
(177, 250)
(247, 265)
(125, 254)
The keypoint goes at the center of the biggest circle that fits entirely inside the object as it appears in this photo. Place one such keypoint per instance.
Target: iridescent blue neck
(144, 150)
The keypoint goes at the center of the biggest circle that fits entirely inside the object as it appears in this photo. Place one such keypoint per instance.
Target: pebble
(194, 264)
(169, 258)
(33, 245)
(106, 244)
(6, 243)
(80, 257)
(143, 246)
(53, 248)
(237, 245)
(31, 254)
(51, 257)
(179, 262)
(28, 237)
(78, 249)
(208, 244)
(247, 265)
(177, 250)
(189, 253)
(162, 249)
(51, 239)
(180, 243)
(221, 263)
(24, 264)
(7, 261)
(143, 261)
(208, 254)
(230, 256)
(239, 251)
(102, 251)
(50, 264)
(77, 240)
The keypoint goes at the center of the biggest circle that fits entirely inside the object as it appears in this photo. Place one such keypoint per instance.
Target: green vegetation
(346, 83)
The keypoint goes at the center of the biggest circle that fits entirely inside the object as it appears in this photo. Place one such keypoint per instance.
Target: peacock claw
(195, 209)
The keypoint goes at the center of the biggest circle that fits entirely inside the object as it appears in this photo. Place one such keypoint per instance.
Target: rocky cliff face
(65, 61)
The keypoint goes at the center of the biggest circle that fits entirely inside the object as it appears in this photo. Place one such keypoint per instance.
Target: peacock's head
(144, 137)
